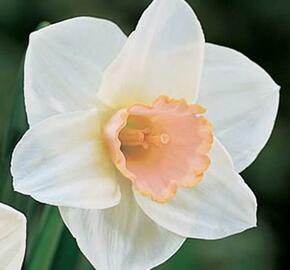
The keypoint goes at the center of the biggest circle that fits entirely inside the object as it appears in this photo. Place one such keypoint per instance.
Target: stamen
(131, 137)
(144, 138)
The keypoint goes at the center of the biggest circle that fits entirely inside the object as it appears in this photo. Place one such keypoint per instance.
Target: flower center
(160, 147)
(142, 137)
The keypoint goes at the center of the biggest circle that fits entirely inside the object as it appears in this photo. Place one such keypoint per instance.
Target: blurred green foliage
(260, 29)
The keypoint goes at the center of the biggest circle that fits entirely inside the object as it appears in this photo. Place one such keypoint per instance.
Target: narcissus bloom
(12, 238)
(140, 140)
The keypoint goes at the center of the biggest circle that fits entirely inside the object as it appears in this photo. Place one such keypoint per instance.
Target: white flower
(89, 92)
(12, 238)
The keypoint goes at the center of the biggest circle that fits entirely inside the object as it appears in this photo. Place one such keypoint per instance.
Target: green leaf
(48, 235)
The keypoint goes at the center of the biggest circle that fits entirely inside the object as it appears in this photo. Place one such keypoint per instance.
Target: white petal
(12, 238)
(163, 56)
(220, 205)
(122, 237)
(64, 64)
(62, 161)
(242, 102)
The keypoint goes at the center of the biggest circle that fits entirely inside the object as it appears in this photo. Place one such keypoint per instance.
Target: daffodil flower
(140, 140)
(12, 238)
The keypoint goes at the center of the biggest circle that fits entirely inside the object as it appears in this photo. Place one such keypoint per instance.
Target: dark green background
(261, 30)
